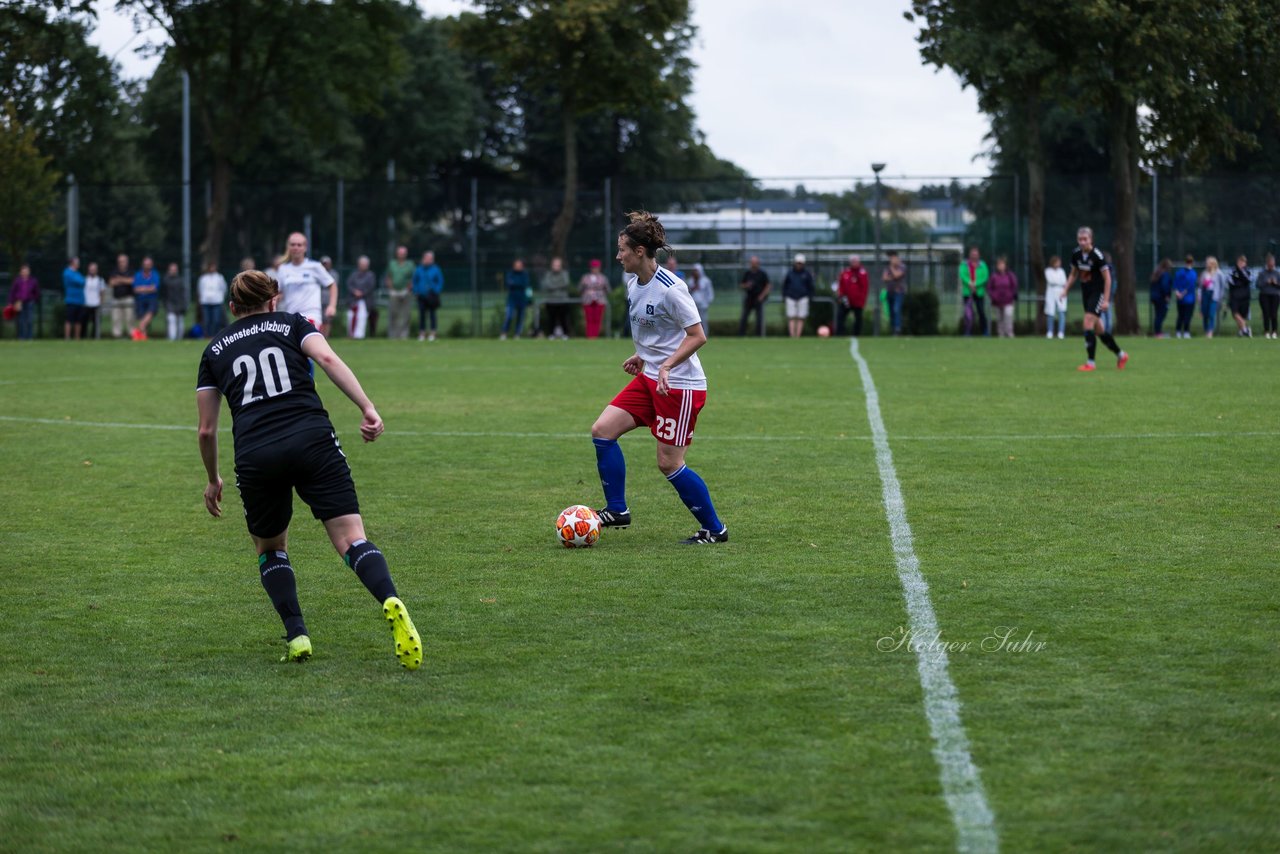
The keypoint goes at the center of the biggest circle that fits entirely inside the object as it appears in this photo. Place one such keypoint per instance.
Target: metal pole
(306, 228)
(342, 195)
(1017, 229)
(391, 220)
(186, 182)
(742, 219)
(608, 219)
(1155, 217)
(875, 315)
(73, 217)
(476, 319)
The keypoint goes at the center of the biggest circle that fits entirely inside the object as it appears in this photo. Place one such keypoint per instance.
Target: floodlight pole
(877, 168)
(186, 182)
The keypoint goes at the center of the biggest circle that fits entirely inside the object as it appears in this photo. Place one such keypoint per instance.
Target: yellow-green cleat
(408, 644)
(299, 650)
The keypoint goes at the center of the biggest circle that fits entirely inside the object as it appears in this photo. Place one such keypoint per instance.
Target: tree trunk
(1035, 208)
(569, 206)
(215, 225)
(1122, 123)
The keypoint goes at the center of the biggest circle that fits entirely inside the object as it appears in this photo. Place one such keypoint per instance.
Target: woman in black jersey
(285, 441)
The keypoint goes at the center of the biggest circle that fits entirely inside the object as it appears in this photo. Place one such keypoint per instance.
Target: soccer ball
(577, 527)
(824, 331)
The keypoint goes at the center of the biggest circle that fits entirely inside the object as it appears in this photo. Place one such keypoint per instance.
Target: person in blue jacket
(428, 283)
(73, 299)
(1184, 290)
(1161, 291)
(518, 293)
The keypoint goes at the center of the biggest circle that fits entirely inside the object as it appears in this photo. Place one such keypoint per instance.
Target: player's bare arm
(633, 365)
(208, 405)
(1106, 289)
(1071, 280)
(318, 350)
(694, 338)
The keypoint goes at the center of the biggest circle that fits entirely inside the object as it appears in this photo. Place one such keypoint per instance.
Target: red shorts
(671, 418)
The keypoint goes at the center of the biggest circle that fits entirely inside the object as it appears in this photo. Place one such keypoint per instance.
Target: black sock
(1110, 342)
(1090, 344)
(278, 581)
(371, 568)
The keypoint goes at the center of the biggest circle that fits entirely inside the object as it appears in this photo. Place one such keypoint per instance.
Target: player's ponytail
(645, 231)
(250, 291)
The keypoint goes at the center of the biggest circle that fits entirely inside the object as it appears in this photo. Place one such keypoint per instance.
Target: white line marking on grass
(961, 781)
(500, 434)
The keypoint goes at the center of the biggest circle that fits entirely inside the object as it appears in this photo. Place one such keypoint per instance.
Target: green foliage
(28, 188)
(920, 312)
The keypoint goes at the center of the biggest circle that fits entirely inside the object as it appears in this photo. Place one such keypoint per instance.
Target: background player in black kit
(1089, 265)
(285, 441)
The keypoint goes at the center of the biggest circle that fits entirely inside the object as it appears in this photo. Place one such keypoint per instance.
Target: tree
(1180, 64)
(28, 188)
(580, 59)
(1007, 51)
(248, 59)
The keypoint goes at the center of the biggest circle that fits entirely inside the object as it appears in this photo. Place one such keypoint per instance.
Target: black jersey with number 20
(258, 365)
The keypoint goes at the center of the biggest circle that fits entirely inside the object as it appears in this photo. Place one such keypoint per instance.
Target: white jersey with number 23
(660, 310)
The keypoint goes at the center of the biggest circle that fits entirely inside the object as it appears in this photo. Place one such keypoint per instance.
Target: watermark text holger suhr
(1001, 639)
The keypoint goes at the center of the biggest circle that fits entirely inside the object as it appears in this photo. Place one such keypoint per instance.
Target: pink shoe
(1087, 367)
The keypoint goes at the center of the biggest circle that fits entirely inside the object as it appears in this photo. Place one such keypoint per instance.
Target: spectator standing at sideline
(399, 277)
(94, 287)
(1213, 281)
(1003, 287)
(146, 297)
(555, 294)
(797, 290)
(1185, 282)
(24, 293)
(304, 283)
(973, 290)
(121, 283)
(326, 327)
(360, 285)
(73, 300)
(175, 303)
(1240, 295)
(755, 287)
(212, 291)
(1161, 290)
(593, 287)
(851, 295)
(1269, 296)
(699, 284)
(516, 281)
(1055, 303)
(428, 284)
(895, 283)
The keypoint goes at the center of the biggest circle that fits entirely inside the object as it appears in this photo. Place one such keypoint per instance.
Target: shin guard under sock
(371, 568)
(613, 474)
(693, 492)
(278, 580)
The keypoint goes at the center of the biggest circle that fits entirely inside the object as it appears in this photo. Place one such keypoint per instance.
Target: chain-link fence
(477, 227)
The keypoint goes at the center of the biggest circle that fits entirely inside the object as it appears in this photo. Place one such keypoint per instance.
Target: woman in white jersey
(669, 388)
(304, 282)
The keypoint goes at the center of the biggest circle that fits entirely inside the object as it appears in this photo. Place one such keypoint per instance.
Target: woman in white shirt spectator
(212, 288)
(1055, 304)
(94, 285)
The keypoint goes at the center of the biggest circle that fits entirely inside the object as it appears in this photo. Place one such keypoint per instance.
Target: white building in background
(760, 221)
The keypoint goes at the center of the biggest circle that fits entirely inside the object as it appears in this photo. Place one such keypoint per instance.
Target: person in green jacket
(973, 289)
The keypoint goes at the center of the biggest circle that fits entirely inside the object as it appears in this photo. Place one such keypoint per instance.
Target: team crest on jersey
(648, 309)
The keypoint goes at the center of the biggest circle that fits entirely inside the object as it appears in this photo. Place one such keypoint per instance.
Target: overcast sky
(800, 88)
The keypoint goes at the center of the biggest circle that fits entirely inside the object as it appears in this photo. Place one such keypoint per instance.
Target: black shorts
(1091, 297)
(311, 462)
(75, 314)
(1239, 303)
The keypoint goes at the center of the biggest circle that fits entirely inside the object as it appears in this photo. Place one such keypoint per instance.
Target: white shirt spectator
(212, 288)
(93, 288)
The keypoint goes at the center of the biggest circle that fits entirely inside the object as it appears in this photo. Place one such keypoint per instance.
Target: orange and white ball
(577, 527)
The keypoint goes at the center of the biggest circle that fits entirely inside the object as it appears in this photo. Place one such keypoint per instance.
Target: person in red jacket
(851, 295)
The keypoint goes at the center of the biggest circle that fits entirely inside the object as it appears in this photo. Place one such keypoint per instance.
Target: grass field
(642, 695)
